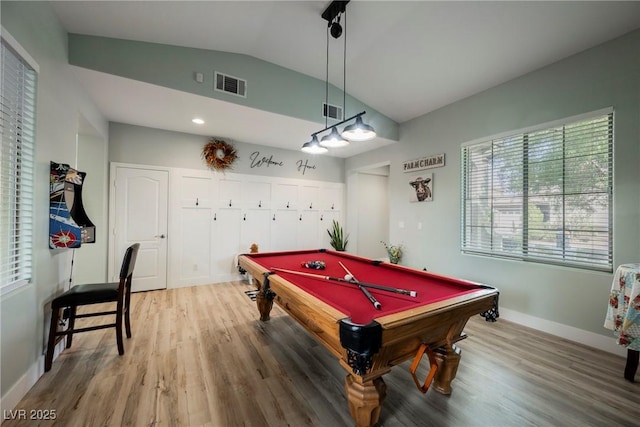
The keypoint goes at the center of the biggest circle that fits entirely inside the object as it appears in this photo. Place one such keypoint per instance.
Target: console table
(623, 314)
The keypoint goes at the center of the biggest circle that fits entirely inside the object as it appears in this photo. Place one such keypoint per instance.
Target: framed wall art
(421, 188)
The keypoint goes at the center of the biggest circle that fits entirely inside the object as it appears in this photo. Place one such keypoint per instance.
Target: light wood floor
(200, 356)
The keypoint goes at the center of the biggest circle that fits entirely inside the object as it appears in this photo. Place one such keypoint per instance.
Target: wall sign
(258, 162)
(303, 165)
(436, 161)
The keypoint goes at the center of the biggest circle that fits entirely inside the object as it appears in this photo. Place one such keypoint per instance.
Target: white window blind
(543, 195)
(17, 124)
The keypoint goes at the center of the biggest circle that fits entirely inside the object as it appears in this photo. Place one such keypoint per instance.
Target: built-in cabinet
(215, 218)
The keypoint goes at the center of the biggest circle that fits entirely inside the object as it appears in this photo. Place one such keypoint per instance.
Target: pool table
(367, 340)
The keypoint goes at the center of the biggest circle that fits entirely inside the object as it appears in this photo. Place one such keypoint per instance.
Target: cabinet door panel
(284, 227)
(309, 196)
(194, 253)
(256, 194)
(285, 196)
(308, 224)
(195, 191)
(226, 242)
(255, 228)
(230, 193)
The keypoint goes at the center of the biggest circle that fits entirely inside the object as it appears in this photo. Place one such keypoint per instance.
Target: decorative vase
(394, 252)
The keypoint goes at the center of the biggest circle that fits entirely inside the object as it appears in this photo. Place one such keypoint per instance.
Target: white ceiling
(403, 58)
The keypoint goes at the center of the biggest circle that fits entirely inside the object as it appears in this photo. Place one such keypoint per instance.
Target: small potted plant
(338, 239)
(394, 252)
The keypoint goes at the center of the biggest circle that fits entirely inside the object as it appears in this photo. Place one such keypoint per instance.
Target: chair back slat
(129, 261)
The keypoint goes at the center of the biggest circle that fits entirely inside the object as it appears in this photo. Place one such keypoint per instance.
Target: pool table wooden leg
(365, 399)
(265, 303)
(447, 359)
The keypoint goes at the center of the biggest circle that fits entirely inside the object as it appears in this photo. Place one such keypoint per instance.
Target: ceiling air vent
(230, 84)
(331, 111)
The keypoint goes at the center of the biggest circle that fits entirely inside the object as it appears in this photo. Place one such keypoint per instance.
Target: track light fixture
(358, 131)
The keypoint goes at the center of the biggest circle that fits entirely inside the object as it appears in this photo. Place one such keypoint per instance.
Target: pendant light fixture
(313, 146)
(333, 139)
(358, 131)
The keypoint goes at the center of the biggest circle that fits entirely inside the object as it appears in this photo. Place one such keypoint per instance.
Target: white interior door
(373, 221)
(141, 204)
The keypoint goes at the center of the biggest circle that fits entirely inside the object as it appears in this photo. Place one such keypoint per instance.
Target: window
(543, 195)
(17, 123)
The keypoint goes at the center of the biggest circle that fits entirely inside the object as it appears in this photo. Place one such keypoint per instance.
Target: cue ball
(348, 277)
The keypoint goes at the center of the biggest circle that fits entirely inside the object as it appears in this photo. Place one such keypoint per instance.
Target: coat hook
(300, 217)
(311, 205)
(321, 217)
(260, 204)
(331, 205)
(215, 218)
(287, 204)
(197, 202)
(245, 217)
(274, 217)
(229, 202)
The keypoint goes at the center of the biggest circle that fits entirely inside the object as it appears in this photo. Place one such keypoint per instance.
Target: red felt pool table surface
(367, 341)
(348, 298)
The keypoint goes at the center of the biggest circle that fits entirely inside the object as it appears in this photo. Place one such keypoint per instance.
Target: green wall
(149, 146)
(605, 76)
(269, 86)
(62, 110)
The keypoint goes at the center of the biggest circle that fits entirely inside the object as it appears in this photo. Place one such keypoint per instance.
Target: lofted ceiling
(404, 58)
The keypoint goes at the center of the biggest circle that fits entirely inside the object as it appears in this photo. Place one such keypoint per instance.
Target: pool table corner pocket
(361, 343)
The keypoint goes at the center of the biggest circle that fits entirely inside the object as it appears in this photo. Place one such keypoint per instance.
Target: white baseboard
(15, 394)
(600, 342)
(12, 397)
(202, 282)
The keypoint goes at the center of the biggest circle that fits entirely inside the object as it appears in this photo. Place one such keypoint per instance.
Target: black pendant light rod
(334, 9)
(344, 67)
(339, 123)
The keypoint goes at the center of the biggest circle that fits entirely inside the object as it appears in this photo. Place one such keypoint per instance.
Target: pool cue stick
(374, 301)
(340, 279)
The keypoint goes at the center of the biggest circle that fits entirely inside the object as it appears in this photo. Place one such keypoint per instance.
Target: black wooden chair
(118, 292)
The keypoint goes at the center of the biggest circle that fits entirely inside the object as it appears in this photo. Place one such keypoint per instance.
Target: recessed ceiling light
(198, 121)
